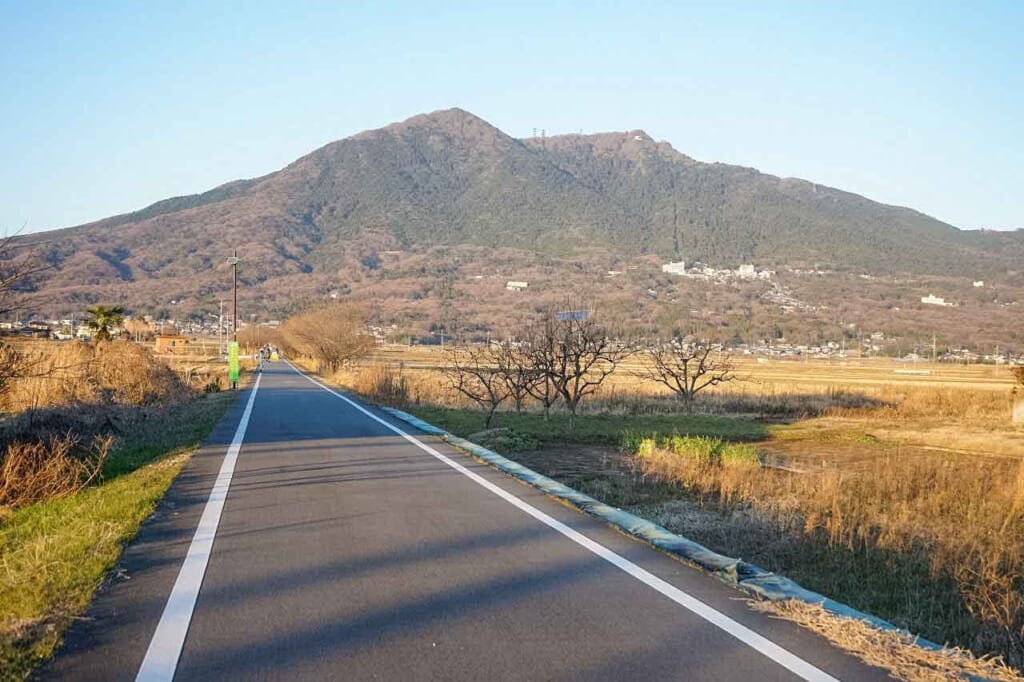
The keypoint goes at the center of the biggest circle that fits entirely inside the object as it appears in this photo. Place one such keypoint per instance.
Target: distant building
(171, 343)
(979, 283)
(677, 268)
(516, 286)
(746, 270)
(37, 328)
(934, 300)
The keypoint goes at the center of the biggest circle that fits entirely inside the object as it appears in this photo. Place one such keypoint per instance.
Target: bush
(70, 400)
(58, 466)
(62, 374)
(700, 450)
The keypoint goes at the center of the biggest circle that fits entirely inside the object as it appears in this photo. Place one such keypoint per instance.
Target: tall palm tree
(104, 317)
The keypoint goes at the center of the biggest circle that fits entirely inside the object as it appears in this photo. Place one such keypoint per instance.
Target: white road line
(741, 632)
(165, 648)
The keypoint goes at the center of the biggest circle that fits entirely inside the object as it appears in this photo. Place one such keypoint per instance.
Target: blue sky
(107, 107)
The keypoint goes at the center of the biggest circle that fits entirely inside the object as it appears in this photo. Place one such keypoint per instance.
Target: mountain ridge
(449, 178)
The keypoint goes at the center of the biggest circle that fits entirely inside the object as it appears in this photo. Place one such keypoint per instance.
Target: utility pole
(234, 293)
(233, 351)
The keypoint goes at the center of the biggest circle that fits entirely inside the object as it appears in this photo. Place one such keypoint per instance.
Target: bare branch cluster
(561, 358)
(687, 368)
(18, 263)
(573, 355)
(476, 373)
(334, 334)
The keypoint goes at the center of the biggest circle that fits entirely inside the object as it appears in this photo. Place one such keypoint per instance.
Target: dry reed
(961, 521)
(55, 467)
(894, 651)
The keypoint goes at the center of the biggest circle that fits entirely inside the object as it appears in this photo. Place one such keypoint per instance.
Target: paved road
(347, 551)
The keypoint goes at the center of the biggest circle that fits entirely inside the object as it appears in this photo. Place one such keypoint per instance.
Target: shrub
(58, 466)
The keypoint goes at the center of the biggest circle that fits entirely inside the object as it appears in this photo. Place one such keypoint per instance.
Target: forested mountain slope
(450, 178)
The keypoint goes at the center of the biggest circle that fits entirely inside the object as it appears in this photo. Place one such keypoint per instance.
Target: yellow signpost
(233, 363)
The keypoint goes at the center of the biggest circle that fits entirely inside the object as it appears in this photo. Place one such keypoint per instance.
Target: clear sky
(106, 107)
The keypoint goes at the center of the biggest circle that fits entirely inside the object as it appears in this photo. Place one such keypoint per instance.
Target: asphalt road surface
(326, 544)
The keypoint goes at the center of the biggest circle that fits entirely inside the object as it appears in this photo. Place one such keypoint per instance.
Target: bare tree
(476, 374)
(18, 262)
(16, 265)
(334, 334)
(576, 354)
(539, 350)
(687, 368)
(520, 374)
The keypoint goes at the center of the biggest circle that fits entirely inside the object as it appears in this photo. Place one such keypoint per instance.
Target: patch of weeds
(504, 440)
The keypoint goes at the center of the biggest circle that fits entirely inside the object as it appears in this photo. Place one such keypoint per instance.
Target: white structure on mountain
(677, 268)
(935, 300)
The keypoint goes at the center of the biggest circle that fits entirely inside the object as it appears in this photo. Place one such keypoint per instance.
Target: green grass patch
(592, 429)
(707, 450)
(56, 553)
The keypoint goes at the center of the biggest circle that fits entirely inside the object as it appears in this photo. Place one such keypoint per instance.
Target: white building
(980, 283)
(934, 300)
(677, 268)
(516, 286)
(746, 270)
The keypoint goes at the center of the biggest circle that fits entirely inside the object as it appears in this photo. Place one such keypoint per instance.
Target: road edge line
(161, 659)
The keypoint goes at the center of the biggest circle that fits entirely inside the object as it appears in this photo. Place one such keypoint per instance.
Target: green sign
(233, 362)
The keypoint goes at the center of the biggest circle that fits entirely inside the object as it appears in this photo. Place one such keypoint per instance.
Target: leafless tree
(687, 368)
(334, 334)
(475, 373)
(16, 265)
(18, 262)
(576, 354)
(539, 351)
(517, 369)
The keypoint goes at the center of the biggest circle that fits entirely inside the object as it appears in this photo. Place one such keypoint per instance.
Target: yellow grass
(893, 651)
(959, 520)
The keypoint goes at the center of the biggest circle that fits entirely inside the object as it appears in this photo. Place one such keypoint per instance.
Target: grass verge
(55, 554)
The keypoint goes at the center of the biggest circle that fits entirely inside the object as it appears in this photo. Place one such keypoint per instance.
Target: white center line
(759, 643)
(165, 648)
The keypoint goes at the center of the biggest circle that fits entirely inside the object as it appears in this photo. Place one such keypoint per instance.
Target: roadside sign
(233, 362)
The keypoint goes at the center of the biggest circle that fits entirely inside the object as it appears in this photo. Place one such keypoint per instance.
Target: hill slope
(450, 178)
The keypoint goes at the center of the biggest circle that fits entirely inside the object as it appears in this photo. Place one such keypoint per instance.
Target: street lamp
(233, 350)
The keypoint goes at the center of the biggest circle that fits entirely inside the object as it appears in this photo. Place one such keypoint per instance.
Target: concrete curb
(746, 576)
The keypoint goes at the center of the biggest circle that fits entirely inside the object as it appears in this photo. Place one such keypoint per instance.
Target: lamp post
(233, 262)
(233, 350)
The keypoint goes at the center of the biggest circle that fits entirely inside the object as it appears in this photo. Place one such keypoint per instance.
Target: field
(895, 487)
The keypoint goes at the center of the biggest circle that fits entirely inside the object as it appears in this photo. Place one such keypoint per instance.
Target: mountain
(449, 180)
